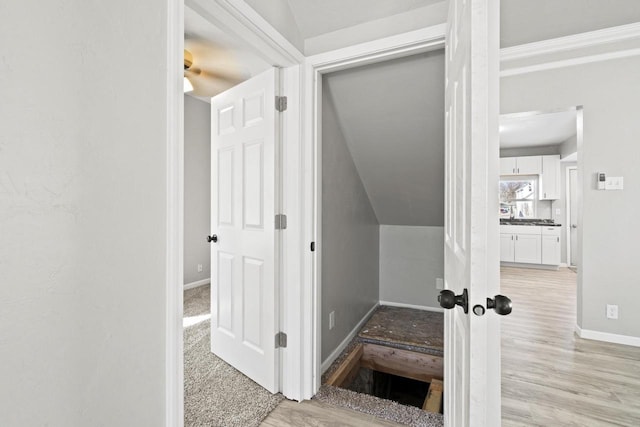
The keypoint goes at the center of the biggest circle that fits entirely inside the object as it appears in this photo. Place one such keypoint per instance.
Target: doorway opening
(218, 66)
(539, 214)
(381, 215)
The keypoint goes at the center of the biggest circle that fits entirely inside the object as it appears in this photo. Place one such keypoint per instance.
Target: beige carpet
(215, 394)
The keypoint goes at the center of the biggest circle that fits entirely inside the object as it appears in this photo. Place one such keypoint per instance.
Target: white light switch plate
(614, 183)
(439, 283)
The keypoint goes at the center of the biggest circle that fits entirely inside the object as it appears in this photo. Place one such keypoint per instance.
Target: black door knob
(448, 299)
(213, 238)
(501, 304)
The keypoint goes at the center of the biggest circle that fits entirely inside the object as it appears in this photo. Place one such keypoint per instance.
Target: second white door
(244, 292)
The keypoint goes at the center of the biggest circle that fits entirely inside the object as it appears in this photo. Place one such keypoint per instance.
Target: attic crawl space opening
(382, 203)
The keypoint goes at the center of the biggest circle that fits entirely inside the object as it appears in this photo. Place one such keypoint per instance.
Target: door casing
(411, 43)
(240, 20)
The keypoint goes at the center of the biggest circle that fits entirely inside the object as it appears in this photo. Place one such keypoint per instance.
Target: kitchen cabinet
(507, 246)
(528, 248)
(529, 165)
(551, 245)
(550, 178)
(530, 244)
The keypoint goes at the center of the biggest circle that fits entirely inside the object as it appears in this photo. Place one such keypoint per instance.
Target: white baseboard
(607, 337)
(417, 307)
(563, 265)
(335, 353)
(196, 284)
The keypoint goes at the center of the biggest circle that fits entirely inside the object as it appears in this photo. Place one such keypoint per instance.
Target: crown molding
(595, 46)
(573, 42)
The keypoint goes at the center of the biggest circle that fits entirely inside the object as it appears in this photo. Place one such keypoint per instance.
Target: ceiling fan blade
(210, 68)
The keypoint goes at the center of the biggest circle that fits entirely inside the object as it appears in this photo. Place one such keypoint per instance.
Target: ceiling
(197, 27)
(526, 21)
(319, 17)
(392, 117)
(536, 130)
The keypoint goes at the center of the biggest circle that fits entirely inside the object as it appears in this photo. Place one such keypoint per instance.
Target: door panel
(243, 172)
(472, 343)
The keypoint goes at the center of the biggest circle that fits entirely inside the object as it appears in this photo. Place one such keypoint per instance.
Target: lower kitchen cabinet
(530, 244)
(528, 248)
(551, 245)
(507, 247)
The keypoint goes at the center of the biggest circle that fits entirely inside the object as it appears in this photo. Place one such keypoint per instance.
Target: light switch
(614, 183)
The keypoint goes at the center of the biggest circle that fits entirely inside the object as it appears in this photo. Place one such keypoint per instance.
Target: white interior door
(472, 342)
(243, 271)
(573, 216)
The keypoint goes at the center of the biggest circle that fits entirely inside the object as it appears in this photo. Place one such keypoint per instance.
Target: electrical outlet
(439, 283)
(199, 268)
(558, 211)
(612, 311)
(332, 320)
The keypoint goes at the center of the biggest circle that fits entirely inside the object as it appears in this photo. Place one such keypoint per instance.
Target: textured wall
(350, 237)
(82, 213)
(197, 189)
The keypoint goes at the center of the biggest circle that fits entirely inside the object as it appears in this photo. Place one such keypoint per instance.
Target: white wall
(350, 237)
(526, 21)
(197, 189)
(609, 92)
(83, 176)
(411, 258)
(399, 23)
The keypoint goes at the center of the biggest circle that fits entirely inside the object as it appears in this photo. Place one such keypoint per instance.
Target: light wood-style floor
(312, 413)
(550, 377)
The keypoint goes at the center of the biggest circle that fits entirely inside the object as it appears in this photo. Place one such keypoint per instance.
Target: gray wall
(395, 133)
(350, 237)
(83, 202)
(530, 151)
(411, 258)
(568, 147)
(197, 189)
(609, 92)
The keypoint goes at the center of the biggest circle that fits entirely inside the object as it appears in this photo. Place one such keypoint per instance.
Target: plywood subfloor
(407, 328)
(551, 377)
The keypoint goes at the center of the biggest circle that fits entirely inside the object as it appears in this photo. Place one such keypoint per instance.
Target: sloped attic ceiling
(392, 117)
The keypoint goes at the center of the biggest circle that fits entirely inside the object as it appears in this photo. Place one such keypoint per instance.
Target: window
(518, 197)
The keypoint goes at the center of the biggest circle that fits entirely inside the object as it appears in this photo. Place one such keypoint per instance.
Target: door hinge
(281, 340)
(281, 222)
(281, 103)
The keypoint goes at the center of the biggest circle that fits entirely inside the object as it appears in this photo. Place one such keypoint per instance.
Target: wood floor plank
(312, 413)
(549, 375)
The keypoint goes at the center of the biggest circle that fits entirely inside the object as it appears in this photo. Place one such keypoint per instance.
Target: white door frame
(423, 40)
(237, 18)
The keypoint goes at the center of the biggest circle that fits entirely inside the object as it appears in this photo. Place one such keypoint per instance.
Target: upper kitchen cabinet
(550, 178)
(530, 165)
